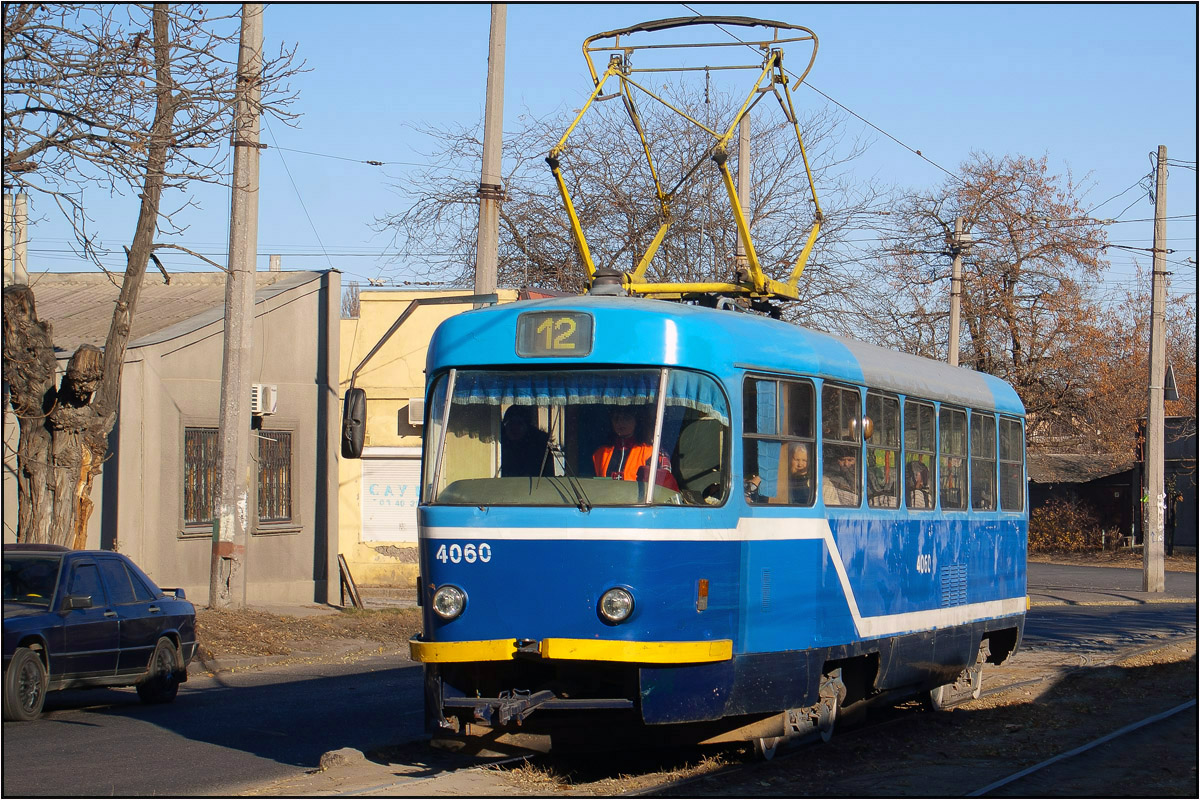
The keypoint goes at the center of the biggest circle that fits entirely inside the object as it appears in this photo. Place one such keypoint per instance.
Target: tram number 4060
(469, 553)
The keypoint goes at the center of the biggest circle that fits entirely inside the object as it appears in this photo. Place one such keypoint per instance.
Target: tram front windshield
(581, 438)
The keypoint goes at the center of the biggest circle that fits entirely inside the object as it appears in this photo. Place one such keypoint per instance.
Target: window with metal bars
(274, 476)
(201, 465)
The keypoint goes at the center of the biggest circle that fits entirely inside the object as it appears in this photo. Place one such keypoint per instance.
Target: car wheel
(161, 684)
(24, 686)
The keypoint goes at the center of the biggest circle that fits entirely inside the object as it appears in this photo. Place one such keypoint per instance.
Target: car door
(90, 635)
(140, 616)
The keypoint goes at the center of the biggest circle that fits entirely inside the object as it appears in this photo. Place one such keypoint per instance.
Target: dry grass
(244, 632)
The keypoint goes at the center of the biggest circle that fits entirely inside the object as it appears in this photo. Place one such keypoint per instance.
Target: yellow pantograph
(750, 281)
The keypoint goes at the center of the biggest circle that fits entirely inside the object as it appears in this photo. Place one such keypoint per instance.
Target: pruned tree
(613, 194)
(113, 98)
(1029, 305)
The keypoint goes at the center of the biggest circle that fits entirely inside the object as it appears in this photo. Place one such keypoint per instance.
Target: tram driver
(627, 455)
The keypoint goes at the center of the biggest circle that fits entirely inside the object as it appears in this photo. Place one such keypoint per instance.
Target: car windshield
(577, 438)
(30, 578)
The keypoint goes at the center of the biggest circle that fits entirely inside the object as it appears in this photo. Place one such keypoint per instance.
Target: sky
(1094, 88)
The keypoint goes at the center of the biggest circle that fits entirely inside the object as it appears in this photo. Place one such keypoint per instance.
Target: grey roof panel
(79, 305)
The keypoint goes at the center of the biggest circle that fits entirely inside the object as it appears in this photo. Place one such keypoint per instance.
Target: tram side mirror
(354, 423)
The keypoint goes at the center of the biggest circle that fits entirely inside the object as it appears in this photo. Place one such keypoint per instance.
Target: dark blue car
(80, 618)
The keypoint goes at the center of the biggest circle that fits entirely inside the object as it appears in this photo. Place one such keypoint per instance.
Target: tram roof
(655, 332)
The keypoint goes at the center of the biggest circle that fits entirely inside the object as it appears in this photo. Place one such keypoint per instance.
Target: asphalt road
(248, 728)
(220, 734)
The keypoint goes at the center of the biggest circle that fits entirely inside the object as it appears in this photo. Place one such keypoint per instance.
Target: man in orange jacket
(627, 458)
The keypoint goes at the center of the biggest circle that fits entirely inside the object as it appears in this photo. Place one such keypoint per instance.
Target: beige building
(378, 493)
(154, 498)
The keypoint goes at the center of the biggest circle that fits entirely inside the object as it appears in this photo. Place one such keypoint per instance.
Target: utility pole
(491, 192)
(956, 248)
(1152, 539)
(235, 511)
(16, 239)
(743, 190)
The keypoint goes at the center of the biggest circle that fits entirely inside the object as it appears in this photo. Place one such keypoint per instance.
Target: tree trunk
(64, 431)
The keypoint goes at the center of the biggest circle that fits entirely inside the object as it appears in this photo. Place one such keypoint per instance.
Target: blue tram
(792, 523)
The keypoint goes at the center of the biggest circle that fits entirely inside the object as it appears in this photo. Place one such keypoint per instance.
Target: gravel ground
(910, 752)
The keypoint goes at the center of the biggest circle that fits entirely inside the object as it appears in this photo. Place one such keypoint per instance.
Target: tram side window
(953, 425)
(841, 481)
(777, 461)
(920, 471)
(883, 451)
(983, 461)
(1012, 457)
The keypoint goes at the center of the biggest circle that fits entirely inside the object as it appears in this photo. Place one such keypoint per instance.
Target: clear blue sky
(1095, 88)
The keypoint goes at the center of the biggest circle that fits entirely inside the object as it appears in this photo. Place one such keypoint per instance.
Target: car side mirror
(76, 601)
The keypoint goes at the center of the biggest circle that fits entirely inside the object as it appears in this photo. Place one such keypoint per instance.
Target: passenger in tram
(522, 443)
(627, 456)
(800, 479)
(917, 482)
(839, 487)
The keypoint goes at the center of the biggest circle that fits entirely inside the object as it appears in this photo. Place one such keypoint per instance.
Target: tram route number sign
(554, 334)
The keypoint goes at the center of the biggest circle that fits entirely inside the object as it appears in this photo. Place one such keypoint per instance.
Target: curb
(1124, 600)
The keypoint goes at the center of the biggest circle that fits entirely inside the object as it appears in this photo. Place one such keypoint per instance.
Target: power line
(299, 197)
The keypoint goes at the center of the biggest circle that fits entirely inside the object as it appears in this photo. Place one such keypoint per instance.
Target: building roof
(1074, 467)
(79, 305)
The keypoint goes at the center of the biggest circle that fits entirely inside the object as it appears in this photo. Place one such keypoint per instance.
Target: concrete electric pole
(491, 192)
(956, 248)
(235, 511)
(1153, 579)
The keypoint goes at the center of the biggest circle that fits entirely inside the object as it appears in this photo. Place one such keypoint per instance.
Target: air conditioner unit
(416, 411)
(263, 398)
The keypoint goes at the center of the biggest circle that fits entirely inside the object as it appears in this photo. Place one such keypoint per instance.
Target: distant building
(1114, 486)
(379, 492)
(1107, 484)
(154, 498)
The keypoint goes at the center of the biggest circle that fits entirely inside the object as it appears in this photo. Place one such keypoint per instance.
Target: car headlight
(449, 602)
(616, 605)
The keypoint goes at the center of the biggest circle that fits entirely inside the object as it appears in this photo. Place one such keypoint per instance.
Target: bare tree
(134, 98)
(1029, 283)
(351, 304)
(612, 190)
(1118, 396)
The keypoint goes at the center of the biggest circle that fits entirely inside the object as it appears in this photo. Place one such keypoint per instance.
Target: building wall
(392, 378)
(176, 384)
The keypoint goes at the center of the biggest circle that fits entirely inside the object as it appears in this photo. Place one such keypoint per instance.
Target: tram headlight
(449, 601)
(616, 605)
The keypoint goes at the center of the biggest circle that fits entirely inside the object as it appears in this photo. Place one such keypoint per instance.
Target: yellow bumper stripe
(638, 652)
(489, 650)
(577, 650)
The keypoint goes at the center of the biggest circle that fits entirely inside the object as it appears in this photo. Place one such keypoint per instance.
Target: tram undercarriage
(764, 698)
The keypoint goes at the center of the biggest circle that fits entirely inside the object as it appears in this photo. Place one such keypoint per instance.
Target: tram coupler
(515, 705)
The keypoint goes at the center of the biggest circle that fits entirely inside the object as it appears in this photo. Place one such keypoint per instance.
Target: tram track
(1082, 749)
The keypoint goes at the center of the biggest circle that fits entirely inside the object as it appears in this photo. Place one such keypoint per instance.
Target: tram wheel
(968, 686)
(765, 747)
(833, 692)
